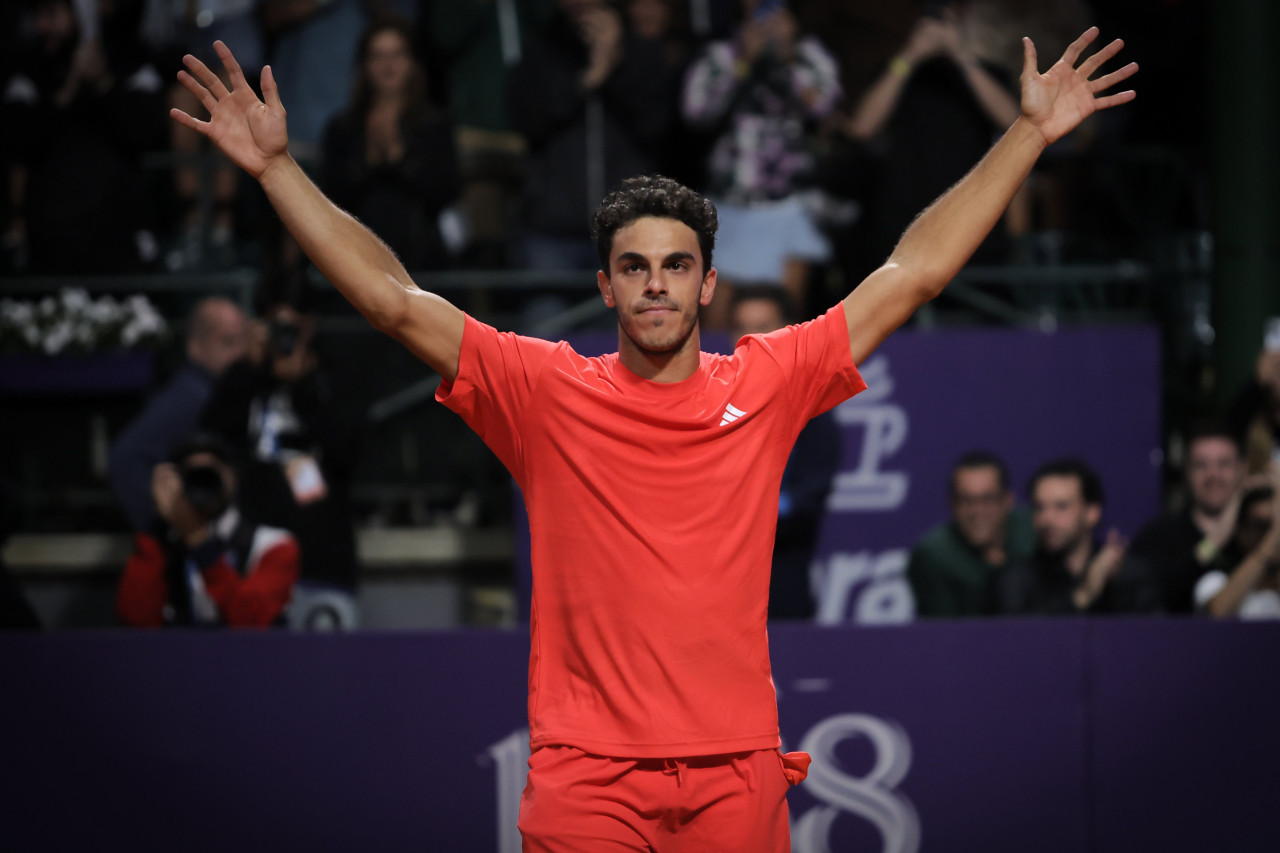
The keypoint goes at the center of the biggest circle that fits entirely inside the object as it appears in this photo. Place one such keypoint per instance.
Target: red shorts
(579, 802)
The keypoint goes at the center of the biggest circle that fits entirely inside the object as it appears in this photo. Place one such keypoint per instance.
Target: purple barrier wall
(1000, 736)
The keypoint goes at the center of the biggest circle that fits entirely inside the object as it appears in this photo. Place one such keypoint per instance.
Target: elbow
(390, 314)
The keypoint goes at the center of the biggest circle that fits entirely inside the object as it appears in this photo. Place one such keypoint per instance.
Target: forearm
(949, 231)
(878, 102)
(1227, 602)
(347, 253)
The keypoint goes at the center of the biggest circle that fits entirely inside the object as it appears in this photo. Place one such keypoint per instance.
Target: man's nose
(657, 283)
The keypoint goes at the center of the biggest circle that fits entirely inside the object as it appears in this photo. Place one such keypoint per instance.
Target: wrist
(901, 66)
(276, 169)
(1028, 132)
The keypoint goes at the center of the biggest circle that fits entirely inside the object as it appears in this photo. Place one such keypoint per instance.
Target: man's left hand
(1058, 100)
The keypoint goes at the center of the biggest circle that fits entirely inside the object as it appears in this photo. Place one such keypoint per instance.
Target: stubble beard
(659, 341)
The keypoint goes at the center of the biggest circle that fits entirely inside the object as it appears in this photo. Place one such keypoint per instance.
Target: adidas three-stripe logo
(731, 414)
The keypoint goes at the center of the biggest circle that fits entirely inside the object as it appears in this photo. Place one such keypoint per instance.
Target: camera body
(205, 490)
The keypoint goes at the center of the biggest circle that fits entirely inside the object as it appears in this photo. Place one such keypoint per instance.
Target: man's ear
(1093, 514)
(606, 289)
(708, 287)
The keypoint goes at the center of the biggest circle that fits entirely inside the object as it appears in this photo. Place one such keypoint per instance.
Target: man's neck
(666, 367)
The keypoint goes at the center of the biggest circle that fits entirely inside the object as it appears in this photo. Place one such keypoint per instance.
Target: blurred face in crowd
(755, 317)
(650, 19)
(1253, 525)
(980, 505)
(655, 283)
(1062, 518)
(577, 10)
(219, 335)
(55, 24)
(1215, 471)
(389, 62)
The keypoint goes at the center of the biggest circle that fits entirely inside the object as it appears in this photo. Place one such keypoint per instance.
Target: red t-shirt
(652, 510)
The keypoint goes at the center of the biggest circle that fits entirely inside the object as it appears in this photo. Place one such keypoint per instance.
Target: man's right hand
(248, 131)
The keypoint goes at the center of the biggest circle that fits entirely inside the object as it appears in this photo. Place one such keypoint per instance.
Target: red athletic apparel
(252, 600)
(579, 803)
(652, 510)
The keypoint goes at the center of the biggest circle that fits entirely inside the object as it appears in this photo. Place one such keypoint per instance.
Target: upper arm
(430, 327)
(880, 304)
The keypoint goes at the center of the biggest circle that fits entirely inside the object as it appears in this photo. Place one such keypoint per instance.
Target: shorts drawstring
(674, 767)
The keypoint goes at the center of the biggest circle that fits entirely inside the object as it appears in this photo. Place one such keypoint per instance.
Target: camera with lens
(205, 490)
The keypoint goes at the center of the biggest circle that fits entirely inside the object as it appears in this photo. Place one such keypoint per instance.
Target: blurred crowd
(480, 134)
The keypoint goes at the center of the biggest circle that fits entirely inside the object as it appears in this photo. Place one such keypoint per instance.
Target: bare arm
(1243, 580)
(947, 233)
(252, 133)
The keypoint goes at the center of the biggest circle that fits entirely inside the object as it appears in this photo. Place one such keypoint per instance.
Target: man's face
(1253, 525)
(1061, 517)
(980, 505)
(755, 317)
(655, 283)
(1214, 473)
(224, 340)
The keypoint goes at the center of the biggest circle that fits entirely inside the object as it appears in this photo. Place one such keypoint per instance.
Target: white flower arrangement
(73, 322)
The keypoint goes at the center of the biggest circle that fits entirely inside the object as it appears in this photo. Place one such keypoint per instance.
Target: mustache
(647, 304)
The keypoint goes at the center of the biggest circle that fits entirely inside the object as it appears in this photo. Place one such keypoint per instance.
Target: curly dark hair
(654, 195)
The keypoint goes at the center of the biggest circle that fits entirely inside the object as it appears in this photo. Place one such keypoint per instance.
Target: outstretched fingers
(207, 100)
(1114, 100)
(270, 92)
(229, 62)
(1077, 47)
(187, 121)
(207, 78)
(1094, 62)
(1108, 80)
(1029, 66)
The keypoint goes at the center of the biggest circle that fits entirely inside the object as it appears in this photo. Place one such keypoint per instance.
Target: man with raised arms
(651, 475)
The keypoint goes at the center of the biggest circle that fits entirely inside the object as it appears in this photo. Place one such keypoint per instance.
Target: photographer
(205, 563)
(276, 408)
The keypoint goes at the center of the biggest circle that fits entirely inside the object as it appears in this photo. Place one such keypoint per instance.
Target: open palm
(1062, 97)
(250, 132)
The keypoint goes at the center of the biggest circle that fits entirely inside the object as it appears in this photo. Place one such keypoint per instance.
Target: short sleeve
(497, 375)
(815, 360)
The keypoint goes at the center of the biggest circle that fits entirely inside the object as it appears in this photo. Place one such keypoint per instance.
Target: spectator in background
(78, 114)
(954, 565)
(765, 88)
(806, 480)
(217, 333)
(931, 113)
(192, 28)
(1180, 547)
(660, 29)
(389, 158)
(276, 408)
(205, 563)
(475, 41)
(593, 103)
(1069, 573)
(1256, 413)
(1244, 581)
